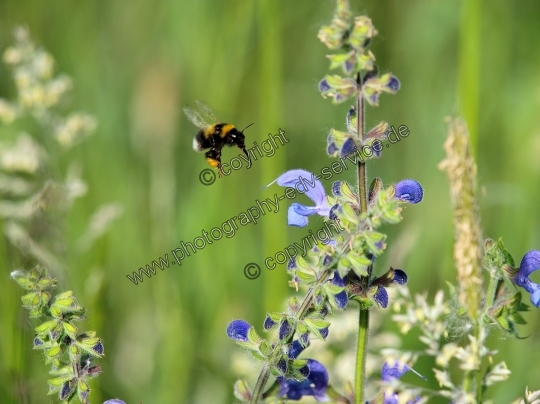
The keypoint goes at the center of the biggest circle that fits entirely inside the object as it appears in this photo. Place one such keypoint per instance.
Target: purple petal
(282, 365)
(294, 219)
(381, 297)
(331, 148)
(400, 277)
(348, 147)
(529, 263)
(327, 260)
(295, 349)
(305, 182)
(338, 280)
(238, 330)
(394, 372)
(393, 84)
(114, 401)
(268, 323)
(342, 299)
(284, 329)
(304, 210)
(314, 385)
(323, 86)
(324, 332)
(409, 191)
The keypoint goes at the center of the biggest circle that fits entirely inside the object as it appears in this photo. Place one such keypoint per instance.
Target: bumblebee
(213, 135)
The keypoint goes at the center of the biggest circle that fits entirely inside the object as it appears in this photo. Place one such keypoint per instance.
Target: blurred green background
(136, 64)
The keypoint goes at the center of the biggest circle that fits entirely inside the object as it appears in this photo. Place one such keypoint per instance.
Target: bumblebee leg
(213, 157)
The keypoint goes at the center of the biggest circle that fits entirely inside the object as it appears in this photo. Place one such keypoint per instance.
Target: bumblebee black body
(214, 137)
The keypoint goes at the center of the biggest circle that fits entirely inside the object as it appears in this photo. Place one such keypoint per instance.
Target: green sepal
(44, 328)
(380, 131)
(301, 263)
(64, 303)
(359, 262)
(31, 299)
(63, 371)
(46, 283)
(242, 390)
(258, 355)
(307, 277)
(74, 352)
(332, 289)
(362, 31)
(83, 390)
(292, 304)
(347, 193)
(52, 353)
(22, 278)
(297, 363)
(496, 257)
(265, 348)
(339, 59)
(90, 345)
(253, 337)
(301, 329)
(344, 266)
(374, 188)
(371, 238)
(342, 87)
(315, 325)
(349, 214)
(57, 383)
(70, 329)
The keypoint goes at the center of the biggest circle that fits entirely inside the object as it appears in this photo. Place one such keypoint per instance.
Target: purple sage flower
(315, 383)
(238, 330)
(381, 296)
(307, 183)
(394, 372)
(341, 298)
(409, 191)
(529, 263)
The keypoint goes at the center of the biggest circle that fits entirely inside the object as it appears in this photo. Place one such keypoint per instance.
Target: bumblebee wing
(196, 118)
(206, 112)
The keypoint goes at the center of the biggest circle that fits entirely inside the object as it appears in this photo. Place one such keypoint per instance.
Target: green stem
(476, 375)
(261, 382)
(363, 316)
(361, 351)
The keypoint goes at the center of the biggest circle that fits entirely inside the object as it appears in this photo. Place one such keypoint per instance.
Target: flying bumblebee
(213, 135)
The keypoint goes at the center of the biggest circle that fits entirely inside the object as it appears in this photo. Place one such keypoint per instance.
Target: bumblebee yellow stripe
(225, 129)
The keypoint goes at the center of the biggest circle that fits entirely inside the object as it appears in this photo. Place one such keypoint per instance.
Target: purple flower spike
(314, 385)
(114, 401)
(238, 330)
(529, 263)
(307, 183)
(409, 191)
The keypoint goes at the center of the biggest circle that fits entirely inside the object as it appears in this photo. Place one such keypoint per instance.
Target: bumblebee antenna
(247, 127)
